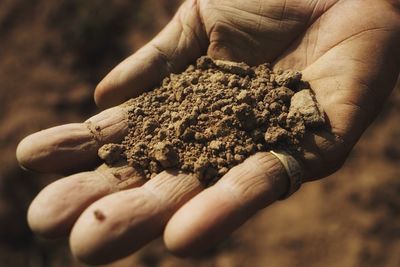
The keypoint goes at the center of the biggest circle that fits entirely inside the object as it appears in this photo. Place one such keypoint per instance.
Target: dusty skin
(212, 117)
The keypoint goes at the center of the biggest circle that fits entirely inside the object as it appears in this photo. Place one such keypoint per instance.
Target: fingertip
(20, 154)
(55, 209)
(42, 218)
(104, 94)
(174, 241)
(81, 249)
(88, 234)
(128, 79)
(175, 236)
(178, 246)
(196, 226)
(60, 149)
(103, 232)
(98, 96)
(27, 151)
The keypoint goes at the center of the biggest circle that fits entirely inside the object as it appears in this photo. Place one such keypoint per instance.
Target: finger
(220, 209)
(117, 225)
(54, 211)
(72, 147)
(178, 44)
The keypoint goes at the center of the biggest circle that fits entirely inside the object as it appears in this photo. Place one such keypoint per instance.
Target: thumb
(177, 45)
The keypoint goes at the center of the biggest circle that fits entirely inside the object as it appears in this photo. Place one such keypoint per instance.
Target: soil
(213, 116)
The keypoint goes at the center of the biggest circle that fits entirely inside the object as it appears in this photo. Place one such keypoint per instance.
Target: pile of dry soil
(213, 116)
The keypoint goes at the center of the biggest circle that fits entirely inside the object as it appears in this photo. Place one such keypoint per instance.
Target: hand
(347, 50)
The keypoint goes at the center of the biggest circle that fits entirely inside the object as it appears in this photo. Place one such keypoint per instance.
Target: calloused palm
(345, 49)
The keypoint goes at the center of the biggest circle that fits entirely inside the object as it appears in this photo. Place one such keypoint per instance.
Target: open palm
(345, 49)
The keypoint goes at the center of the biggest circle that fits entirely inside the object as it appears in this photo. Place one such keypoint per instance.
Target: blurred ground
(52, 54)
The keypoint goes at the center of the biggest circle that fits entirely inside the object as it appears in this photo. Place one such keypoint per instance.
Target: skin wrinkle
(202, 46)
(72, 145)
(364, 106)
(125, 184)
(240, 193)
(394, 3)
(360, 108)
(96, 135)
(307, 38)
(314, 10)
(183, 30)
(352, 37)
(317, 22)
(327, 6)
(330, 164)
(98, 131)
(250, 186)
(225, 17)
(200, 17)
(163, 207)
(275, 172)
(316, 41)
(282, 14)
(168, 65)
(271, 20)
(231, 191)
(177, 190)
(179, 45)
(152, 190)
(342, 132)
(107, 178)
(322, 53)
(276, 19)
(215, 42)
(187, 32)
(260, 8)
(246, 35)
(369, 106)
(264, 159)
(155, 198)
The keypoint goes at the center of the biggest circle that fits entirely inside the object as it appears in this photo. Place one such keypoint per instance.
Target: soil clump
(213, 116)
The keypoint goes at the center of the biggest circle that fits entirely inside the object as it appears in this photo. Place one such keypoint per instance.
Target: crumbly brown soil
(213, 116)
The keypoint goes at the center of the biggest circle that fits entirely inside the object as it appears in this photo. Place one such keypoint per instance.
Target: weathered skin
(347, 50)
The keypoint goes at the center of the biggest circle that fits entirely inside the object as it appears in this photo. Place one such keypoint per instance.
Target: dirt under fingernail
(213, 116)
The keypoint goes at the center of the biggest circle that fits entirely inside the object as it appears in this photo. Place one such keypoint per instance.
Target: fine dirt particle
(213, 116)
(165, 154)
(99, 215)
(288, 78)
(305, 104)
(111, 153)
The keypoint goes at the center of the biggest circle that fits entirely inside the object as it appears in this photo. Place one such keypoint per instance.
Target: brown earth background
(52, 54)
